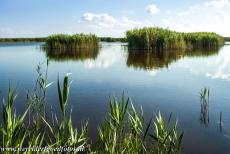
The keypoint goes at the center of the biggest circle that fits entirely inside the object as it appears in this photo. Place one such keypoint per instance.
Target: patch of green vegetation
(164, 39)
(124, 130)
(72, 42)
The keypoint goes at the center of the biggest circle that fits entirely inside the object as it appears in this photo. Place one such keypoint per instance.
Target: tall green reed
(124, 130)
(154, 38)
(63, 133)
(71, 42)
(168, 140)
(36, 98)
(13, 129)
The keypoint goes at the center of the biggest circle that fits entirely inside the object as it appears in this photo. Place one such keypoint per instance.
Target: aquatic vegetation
(63, 133)
(163, 39)
(168, 140)
(72, 42)
(123, 131)
(75, 47)
(36, 98)
(204, 106)
(126, 131)
(205, 40)
(13, 132)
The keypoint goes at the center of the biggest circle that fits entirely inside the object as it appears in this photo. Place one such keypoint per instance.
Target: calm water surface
(169, 82)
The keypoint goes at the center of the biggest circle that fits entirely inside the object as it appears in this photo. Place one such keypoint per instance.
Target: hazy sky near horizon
(37, 18)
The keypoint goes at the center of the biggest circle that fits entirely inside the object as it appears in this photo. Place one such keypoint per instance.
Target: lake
(169, 82)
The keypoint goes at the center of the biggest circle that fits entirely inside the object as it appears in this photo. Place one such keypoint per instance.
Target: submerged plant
(204, 106)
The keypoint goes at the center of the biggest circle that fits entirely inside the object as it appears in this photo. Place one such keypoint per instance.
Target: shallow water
(169, 82)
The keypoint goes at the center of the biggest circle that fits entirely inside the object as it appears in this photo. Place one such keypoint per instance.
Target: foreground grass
(164, 39)
(124, 130)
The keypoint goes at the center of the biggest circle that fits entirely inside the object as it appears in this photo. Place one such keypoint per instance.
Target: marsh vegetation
(124, 130)
(66, 42)
(163, 39)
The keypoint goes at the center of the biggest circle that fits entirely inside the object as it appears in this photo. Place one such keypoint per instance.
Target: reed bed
(72, 42)
(164, 39)
(123, 131)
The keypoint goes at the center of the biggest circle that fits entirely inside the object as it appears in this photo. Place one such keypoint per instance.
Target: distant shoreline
(43, 39)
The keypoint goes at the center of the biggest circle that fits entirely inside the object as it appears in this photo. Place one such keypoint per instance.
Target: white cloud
(152, 9)
(218, 3)
(212, 16)
(108, 25)
(106, 21)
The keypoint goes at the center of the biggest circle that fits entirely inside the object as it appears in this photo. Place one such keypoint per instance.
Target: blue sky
(35, 18)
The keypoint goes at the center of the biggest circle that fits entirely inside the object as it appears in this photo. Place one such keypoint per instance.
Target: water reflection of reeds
(74, 54)
(159, 59)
